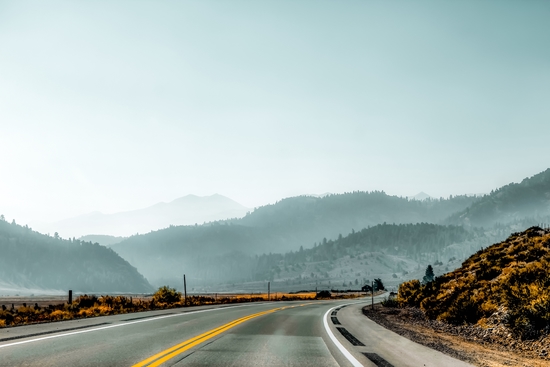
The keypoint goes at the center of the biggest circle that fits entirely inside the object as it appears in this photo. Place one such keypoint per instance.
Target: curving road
(319, 333)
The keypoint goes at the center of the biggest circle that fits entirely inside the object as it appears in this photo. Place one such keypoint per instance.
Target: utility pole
(372, 296)
(269, 291)
(184, 290)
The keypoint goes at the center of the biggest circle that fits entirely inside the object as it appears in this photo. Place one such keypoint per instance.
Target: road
(255, 334)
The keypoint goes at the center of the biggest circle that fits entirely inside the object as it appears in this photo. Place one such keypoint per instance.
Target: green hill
(36, 261)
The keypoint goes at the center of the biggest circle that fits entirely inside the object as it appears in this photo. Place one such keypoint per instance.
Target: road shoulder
(479, 353)
(382, 347)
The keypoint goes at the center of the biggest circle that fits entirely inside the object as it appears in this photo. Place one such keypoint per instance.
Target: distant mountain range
(33, 261)
(220, 250)
(231, 249)
(186, 210)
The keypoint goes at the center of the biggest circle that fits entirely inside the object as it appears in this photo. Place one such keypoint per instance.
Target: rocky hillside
(510, 278)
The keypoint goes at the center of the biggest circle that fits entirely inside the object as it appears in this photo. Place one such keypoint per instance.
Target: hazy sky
(117, 105)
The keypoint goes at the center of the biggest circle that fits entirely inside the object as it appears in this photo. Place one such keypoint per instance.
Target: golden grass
(91, 306)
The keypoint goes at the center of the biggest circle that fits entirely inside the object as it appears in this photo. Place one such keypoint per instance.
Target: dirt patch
(483, 347)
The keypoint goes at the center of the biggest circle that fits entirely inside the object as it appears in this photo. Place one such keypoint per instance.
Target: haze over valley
(303, 242)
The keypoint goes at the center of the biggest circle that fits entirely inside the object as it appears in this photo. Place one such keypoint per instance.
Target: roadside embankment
(490, 346)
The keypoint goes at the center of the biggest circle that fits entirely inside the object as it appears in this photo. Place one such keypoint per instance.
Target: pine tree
(429, 277)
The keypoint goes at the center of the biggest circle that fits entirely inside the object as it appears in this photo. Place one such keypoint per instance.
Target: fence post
(70, 296)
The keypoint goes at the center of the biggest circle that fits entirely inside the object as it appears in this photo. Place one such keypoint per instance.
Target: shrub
(323, 294)
(409, 293)
(390, 302)
(60, 315)
(167, 295)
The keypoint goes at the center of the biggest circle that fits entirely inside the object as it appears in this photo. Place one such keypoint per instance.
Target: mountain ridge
(186, 210)
(509, 203)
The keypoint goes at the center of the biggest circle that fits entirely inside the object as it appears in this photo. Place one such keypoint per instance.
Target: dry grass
(90, 306)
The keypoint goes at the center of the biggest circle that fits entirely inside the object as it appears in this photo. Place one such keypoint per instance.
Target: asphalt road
(256, 334)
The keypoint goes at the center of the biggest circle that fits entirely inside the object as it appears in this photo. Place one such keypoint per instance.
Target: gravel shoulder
(483, 347)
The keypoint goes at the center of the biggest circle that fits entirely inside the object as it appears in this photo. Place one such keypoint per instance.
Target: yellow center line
(171, 352)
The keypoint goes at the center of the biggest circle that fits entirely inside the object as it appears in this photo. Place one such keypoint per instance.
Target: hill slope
(512, 277)
(514, 202)
(32, 260)
(377, 251)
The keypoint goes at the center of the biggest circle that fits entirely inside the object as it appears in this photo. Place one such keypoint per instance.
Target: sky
(117, 105)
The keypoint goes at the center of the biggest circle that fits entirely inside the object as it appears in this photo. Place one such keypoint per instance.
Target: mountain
(304, 219)
(510, 279)
(186, 210)
(516, 202)
(31, 260)
(216, 249)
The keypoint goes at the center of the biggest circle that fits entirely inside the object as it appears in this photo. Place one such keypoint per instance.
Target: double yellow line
(170, 353)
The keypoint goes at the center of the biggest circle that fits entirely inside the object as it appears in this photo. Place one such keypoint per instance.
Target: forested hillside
(414, 243)
(310, 218)
(227, 249)
(285, 226)
(392, 248)
(510, 204)
(29, 259)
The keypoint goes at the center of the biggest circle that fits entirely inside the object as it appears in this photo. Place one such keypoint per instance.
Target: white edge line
(339, 345)
(116, 325)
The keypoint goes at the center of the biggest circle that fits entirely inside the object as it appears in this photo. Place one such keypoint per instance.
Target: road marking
(342, 349)
(165, 355)
(117, 325)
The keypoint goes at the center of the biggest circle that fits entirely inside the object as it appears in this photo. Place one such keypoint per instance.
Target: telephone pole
(184, 290)
(372, 296)
(269, 291)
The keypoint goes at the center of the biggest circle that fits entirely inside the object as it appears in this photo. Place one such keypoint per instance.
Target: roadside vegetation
(165, 297)
(510, 279)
